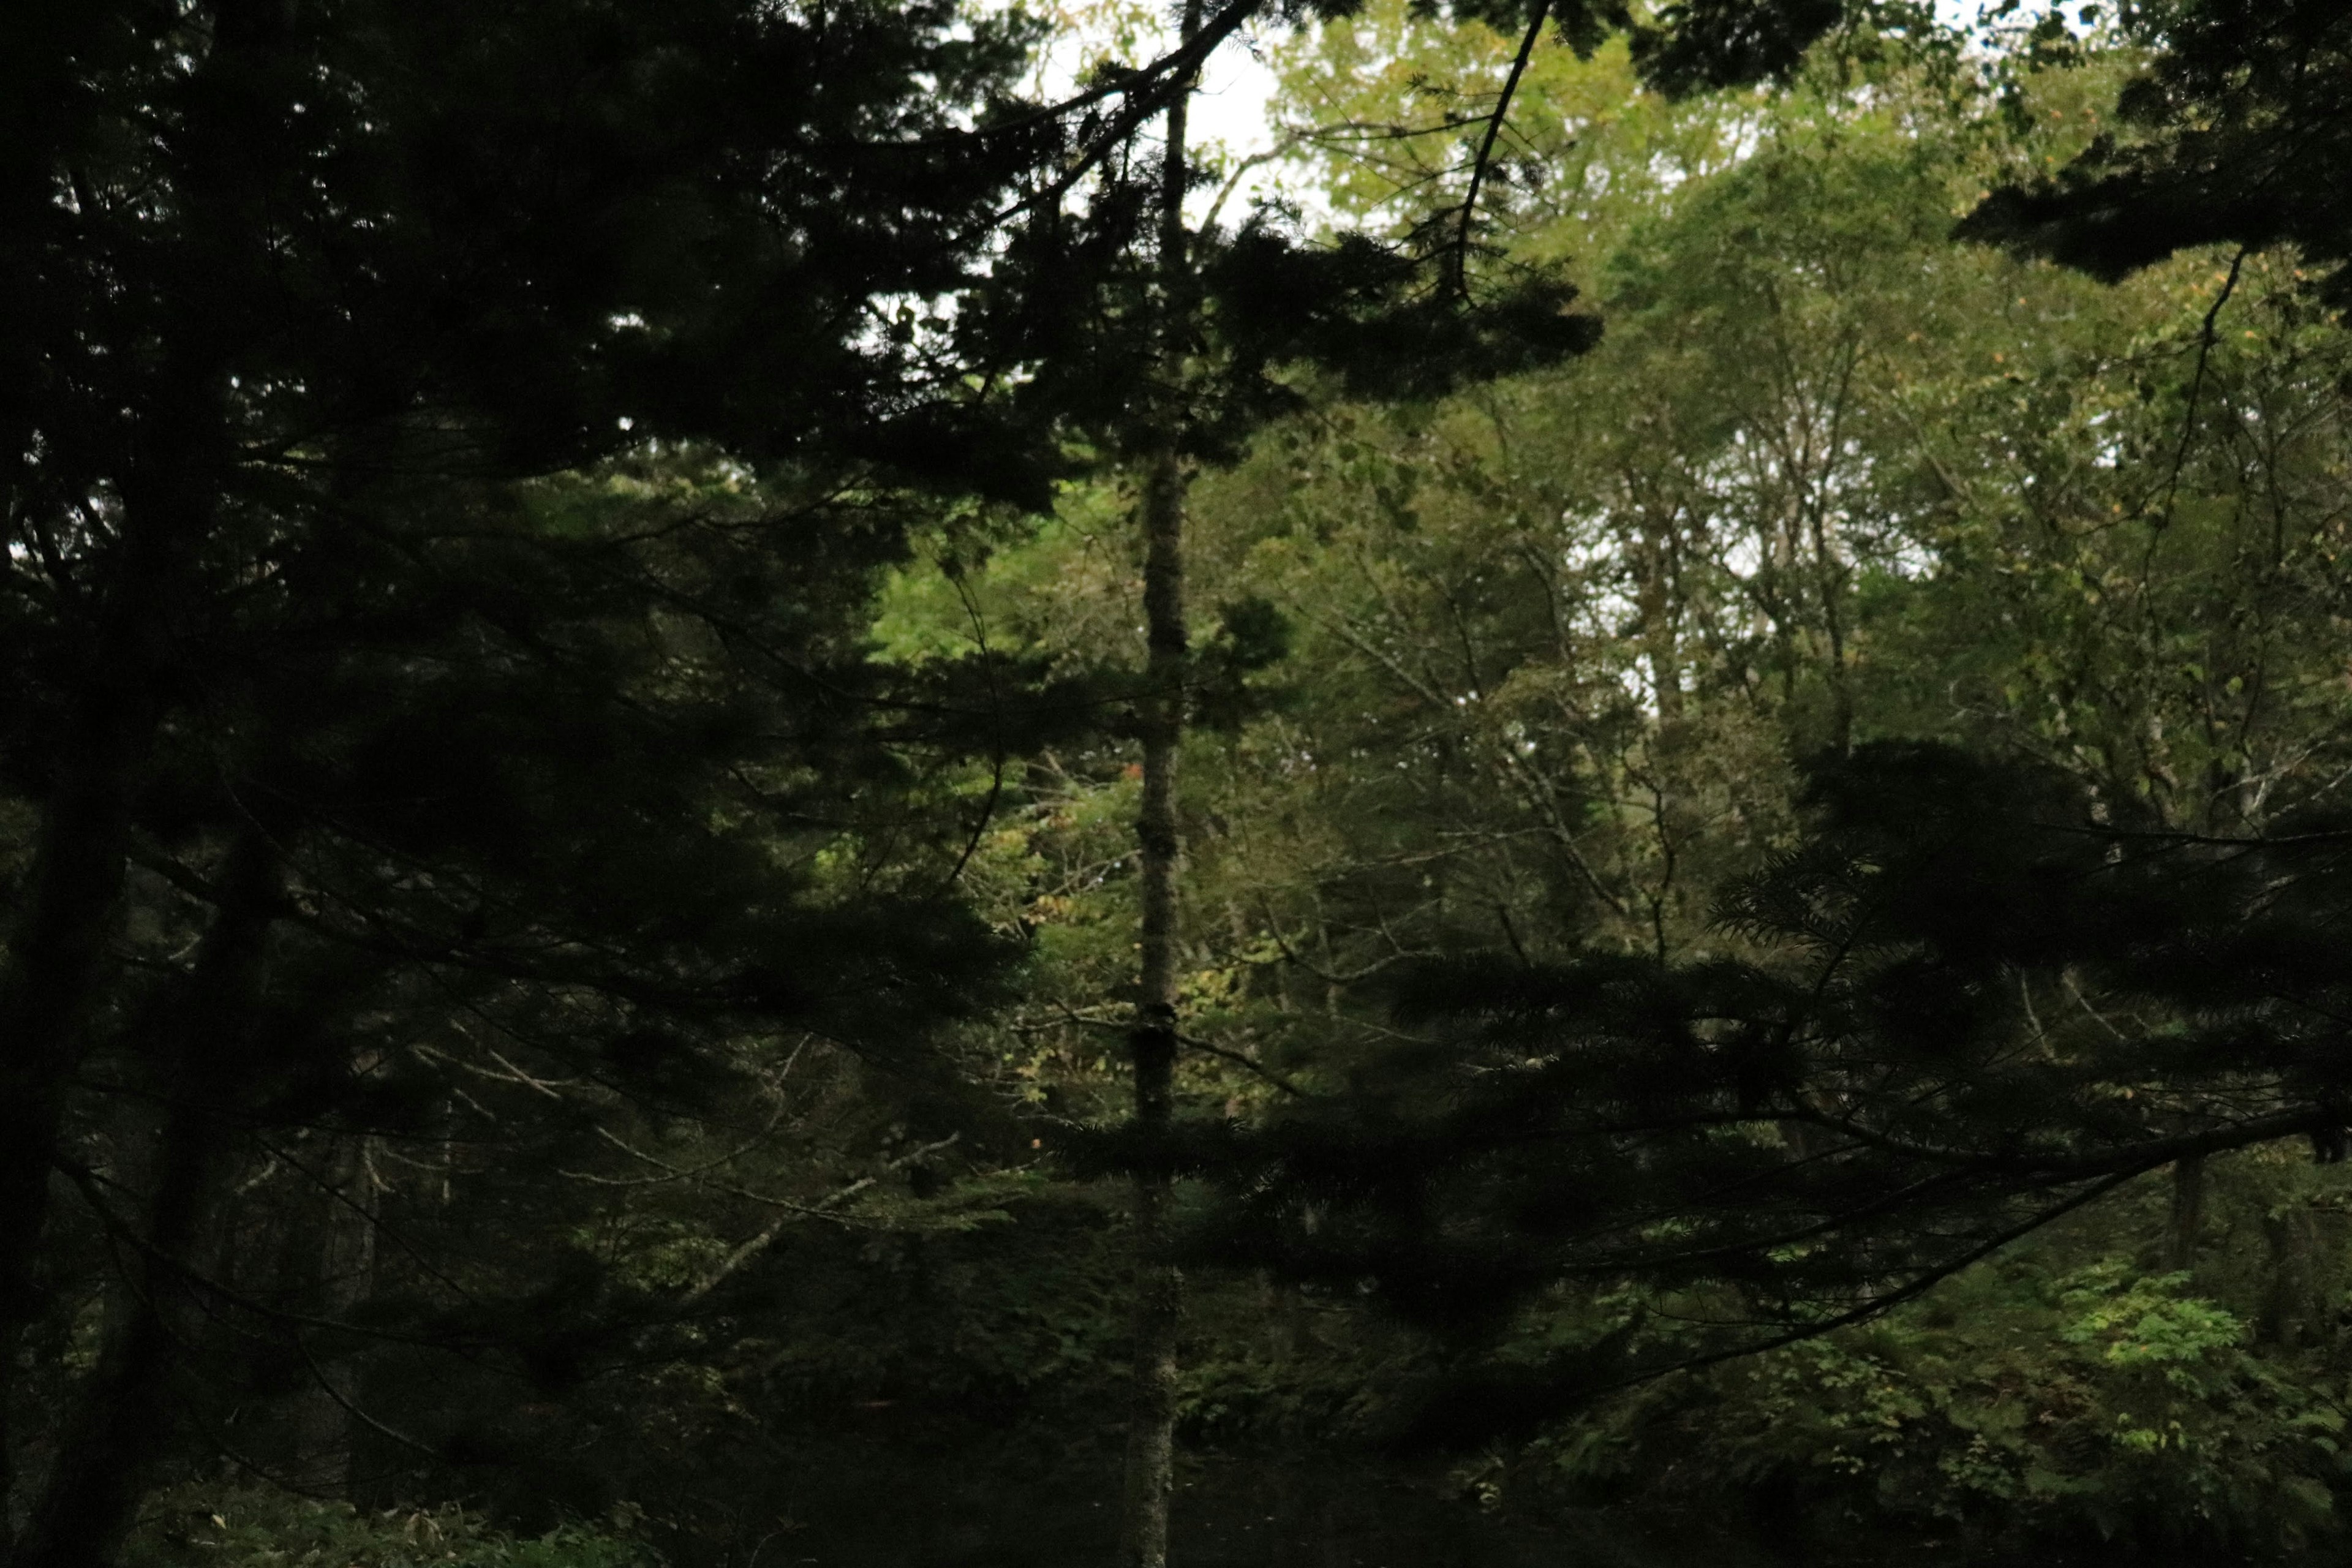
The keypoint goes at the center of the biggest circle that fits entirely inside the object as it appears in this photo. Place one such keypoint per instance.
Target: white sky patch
(1233, 111)
(1230, 113)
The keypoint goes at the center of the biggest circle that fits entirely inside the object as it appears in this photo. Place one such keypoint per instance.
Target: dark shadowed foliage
(1963, 1006)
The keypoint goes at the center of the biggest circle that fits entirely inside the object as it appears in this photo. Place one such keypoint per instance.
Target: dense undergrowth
(247, 1525)
(2094, 1404)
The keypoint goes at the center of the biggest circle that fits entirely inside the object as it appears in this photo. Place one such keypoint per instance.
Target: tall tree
(1149, 1481)
(341, 742)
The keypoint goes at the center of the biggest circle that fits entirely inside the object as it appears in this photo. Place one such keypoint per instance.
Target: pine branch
(1461, 268)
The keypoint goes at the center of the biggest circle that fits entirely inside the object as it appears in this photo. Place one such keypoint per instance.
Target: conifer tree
(1150, 1480)
(351, 751)
(2236, 134)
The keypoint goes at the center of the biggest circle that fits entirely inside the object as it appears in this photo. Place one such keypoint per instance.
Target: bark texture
(1151, 1417)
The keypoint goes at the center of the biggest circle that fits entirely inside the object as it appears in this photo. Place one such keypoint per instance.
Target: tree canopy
(605, 599)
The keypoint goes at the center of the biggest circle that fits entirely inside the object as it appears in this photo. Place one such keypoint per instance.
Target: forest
(791, 783)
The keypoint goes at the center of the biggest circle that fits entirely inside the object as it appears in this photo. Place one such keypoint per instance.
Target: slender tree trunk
(1830, 579)
(123, 1421)
(2187, 1223)
(122, 1418)
(1159, 1304)
(56, 950)
(2289, 1303)
(1151, 1416)
(1657, 607)
(174, 447)
(339, 1254)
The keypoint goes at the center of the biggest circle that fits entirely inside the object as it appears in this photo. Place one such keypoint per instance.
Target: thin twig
(766, 1236)
(1281, 149)
(1112, 1026)
(1254, 1066)
(2205, 338)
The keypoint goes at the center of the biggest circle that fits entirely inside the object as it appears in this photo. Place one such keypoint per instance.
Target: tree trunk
(1657, 607)
(2187, 1223)
(122, 1421)
(173, 445)
(1831, 578)
(122, 1417)
(2289, 1304)
(1152, 1414)
(56, 952)
(339, 1254)
(1159, 1302)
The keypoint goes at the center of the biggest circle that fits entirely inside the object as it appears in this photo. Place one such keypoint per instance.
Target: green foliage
(2235, 134)
(249, 1527)
(2097, 1402)
(1526, 670)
